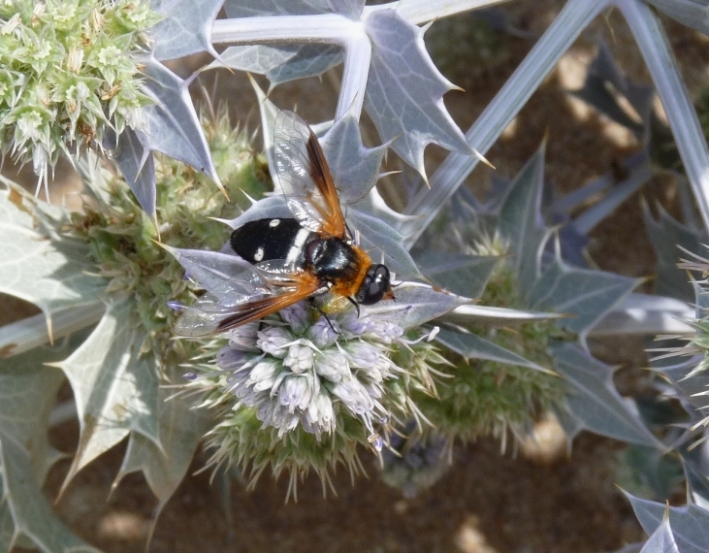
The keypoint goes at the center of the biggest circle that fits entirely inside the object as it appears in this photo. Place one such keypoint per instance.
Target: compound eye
(376, 284)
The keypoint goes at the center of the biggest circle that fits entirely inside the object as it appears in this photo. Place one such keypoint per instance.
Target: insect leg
(327, 319)
(355, 303)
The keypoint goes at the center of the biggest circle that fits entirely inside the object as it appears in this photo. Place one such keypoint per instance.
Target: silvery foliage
(315, 35)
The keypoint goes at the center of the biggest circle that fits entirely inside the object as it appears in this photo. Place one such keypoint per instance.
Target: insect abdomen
(268, 239)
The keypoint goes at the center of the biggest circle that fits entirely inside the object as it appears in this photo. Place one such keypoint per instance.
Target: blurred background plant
(521, 359)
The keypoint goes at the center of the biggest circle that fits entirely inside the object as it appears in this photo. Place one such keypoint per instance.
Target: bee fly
(308, 255)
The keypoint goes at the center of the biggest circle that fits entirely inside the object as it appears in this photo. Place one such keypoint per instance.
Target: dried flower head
(415, 462)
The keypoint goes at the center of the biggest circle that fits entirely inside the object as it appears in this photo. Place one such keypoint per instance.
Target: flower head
(76, 60)
(307, 375)
(301, 390)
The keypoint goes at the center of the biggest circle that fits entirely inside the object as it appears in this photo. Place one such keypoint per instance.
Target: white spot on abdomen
(258, 256)
(274, 223)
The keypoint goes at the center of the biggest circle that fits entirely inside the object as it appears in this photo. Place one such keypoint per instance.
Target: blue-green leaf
(689, 523)
(355, 168)
(383, 243)
(186, 28)
(137, 166)
(662, 540)
(35, 269)
(666, 234)
(587, 295)
(171, 124)
(164, 466)
(282, 63)
(603, 77)
(520, 220)
(472, 346)
(593, 402)
(115, 386)
(415, 304)
(466, 275)
(28, 392)
(405, 90)
(692, 13)
(30, 512)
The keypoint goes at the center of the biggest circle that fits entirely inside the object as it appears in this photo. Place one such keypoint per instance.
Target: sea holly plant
(105, 263)
(316, 385)
(501, 372)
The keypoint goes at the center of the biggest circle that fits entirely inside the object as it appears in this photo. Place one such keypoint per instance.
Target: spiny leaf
(383, 243)
(689, 523)
(115, 388)
(415, 304)
(689, 390)
(186, 28)
(138, 167)
(405, 91)
(28, 392)
(281, 64)
(472, 346)
(693, 13)
(593, 402)
(33, 268)
(171, 125)
(520, 219)
(355, 168)
(466, 275)
(31, 515)
(604, 76)
(662, 540)
(587, 295)
(181, 428)
(666, 234)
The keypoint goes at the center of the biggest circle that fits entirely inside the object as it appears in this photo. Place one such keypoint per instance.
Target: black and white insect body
(300, 257)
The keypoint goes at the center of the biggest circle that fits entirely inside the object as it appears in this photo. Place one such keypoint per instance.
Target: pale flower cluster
(297, 373)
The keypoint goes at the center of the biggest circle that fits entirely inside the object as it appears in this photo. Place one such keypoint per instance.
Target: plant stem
(32, 332)
(655, 47)
(560, 35)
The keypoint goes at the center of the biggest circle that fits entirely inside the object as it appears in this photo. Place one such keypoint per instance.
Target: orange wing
(300, 286)
(303, 173)
(320, 172)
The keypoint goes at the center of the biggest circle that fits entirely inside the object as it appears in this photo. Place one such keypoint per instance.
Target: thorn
(483, 159)
(424, 176)
(424, 29)
(388, 174)
(252, 200)
(154, 220)
(50, 330)
(226, 222)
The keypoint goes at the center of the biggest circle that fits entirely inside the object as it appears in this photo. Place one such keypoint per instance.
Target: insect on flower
(309, 255)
